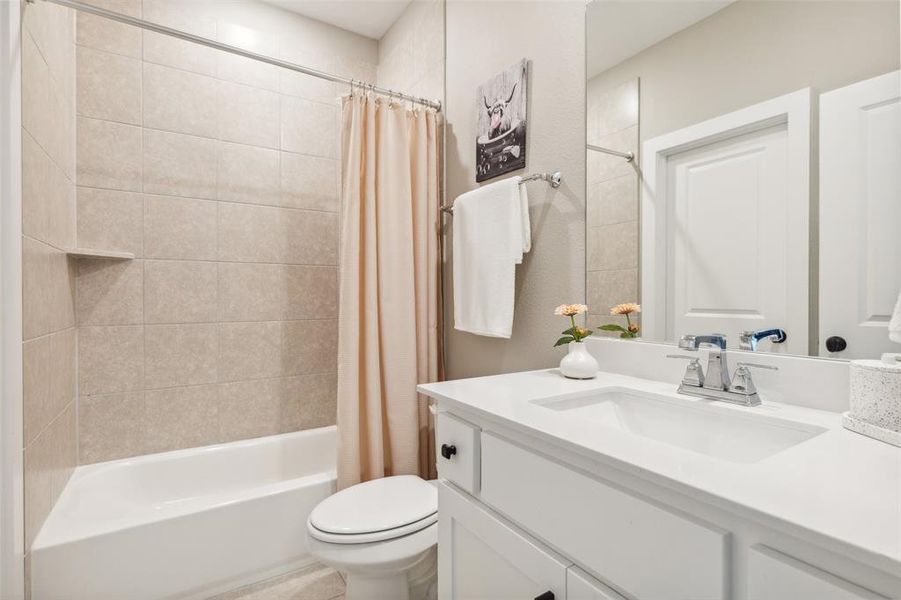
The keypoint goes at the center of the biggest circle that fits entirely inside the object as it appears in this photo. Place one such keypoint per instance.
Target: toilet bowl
(382, 535)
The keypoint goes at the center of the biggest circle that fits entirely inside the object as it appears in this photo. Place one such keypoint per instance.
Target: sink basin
(716, 431)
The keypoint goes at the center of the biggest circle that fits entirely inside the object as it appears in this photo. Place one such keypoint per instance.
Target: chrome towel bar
(554, 180)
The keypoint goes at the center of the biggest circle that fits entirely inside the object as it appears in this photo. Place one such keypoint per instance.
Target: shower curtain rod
(189, 37)
(629, 156)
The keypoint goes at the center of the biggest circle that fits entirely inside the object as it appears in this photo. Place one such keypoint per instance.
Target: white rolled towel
(894, 326)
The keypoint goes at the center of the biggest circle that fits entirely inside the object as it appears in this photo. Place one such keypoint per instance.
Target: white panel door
(728, 238)
(725, 208)
(481, 558)
(860, 214)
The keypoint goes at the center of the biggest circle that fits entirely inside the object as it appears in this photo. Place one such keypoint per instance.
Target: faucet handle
(694, 375)
(742, 383)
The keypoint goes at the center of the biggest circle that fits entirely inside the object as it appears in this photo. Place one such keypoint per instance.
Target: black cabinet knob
(836, 343)
(548, 595)
(448, 451)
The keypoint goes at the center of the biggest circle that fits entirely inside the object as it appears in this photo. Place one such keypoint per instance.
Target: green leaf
(564, 340)
(570, 331)
(612, 327)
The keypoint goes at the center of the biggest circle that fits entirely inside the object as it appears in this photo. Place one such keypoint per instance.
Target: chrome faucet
(748, 340)
(714, 383)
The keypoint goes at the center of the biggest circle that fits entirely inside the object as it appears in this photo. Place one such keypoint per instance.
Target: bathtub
(186, 524)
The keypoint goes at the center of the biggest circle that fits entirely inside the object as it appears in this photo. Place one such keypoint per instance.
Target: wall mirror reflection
(744, 171)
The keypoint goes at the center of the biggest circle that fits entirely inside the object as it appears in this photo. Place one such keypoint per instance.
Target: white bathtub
(184, 524)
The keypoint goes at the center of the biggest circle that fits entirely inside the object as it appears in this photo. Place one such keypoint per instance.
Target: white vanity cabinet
(521, 519)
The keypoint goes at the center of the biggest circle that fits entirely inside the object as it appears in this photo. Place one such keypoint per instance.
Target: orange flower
(570, 310)
(625, 309)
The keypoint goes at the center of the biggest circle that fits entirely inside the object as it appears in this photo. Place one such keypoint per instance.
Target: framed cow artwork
(501, 126)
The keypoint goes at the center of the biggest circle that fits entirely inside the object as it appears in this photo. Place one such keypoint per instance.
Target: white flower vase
(578, 362)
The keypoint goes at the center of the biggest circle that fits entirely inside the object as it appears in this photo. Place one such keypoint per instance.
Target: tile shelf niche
(106, 254)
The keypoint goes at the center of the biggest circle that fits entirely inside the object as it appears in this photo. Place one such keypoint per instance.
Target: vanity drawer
(457, 451)
(638, 547)
(776, 576)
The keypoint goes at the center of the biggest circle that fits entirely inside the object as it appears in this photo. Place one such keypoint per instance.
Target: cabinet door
(482, 558)
(776, 576)
(582, 586)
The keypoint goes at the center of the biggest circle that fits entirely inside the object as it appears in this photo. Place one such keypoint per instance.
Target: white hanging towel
(491, 233)
(894, 326)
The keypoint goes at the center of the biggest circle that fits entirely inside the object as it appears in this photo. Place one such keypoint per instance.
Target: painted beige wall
(48, 229)
(752, 51)
(221, 175)
(484, 38)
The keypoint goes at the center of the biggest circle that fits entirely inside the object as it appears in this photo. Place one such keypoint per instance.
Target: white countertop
(839, 484)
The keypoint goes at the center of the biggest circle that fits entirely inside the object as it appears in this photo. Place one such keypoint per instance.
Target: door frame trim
(793, 110)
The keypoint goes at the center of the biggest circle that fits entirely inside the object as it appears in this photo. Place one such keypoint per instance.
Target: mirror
(744, 171)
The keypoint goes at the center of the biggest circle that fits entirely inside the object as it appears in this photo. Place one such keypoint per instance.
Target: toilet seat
(375, 511)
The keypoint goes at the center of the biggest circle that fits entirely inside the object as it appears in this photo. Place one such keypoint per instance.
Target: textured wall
(484, 38)
(221, 175)
(48, 229)
(612, 211)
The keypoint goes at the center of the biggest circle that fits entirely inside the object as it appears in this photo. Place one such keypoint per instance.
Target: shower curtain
(389, 305)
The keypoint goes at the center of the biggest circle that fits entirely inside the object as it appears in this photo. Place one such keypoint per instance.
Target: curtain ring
(351, 87)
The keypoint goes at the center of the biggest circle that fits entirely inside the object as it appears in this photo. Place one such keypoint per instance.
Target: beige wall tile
(602, 167)
(182, 417)
(179, 228)
(110, 359)
(612, 110)
(111, 426)
(48, 201)
(193, 17)
(309, 127)
(109, 86)
(179, 101)
(48, 292)
(110, 292)
(49, 462)
(248, 174)
(613, 247)
(262, 292)
(109, 155)
(180, 355)
(180, 291)
(606, 289)
(276, 348)
(306, 86)
(172, 52)
(315, 400)
(103, 34)
(309, 182)
(36, 90)
(265, 234)
(53, 29)
(248, 115)
(249, 409)
(110, 220)
(612, 201)
(179, 165)
(49, 379)
(244, 70)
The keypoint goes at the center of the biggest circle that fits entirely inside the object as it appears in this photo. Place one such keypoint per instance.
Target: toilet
(382, 535)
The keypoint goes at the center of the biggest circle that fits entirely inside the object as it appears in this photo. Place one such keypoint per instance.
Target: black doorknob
(448, 451)
(836, 343)
(548, 595)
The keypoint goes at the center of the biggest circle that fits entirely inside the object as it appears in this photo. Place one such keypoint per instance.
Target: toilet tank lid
(376, 505)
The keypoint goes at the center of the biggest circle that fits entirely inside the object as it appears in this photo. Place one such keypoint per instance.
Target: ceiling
(618, 29)
(371, 18)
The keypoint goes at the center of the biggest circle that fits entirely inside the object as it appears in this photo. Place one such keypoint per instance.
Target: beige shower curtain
(389, 311)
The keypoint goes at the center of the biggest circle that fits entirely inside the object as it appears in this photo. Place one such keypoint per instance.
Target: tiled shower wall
(48, 229)
(221, 175)
(411, 53)
(612, 203)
